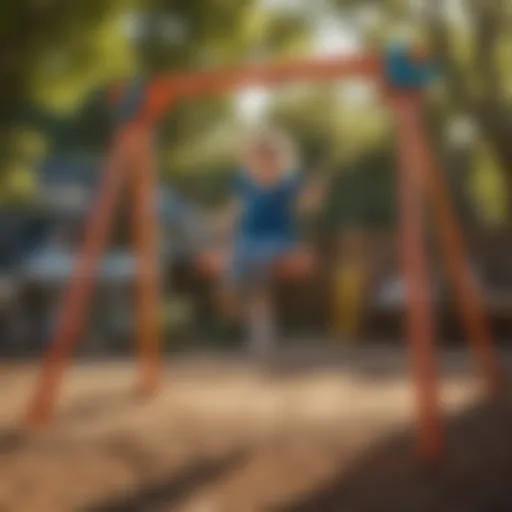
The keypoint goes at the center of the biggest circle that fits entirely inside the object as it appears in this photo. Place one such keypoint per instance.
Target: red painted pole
(470, 304)
(420, 318)
(202, 83)
(146, 241)
(77, 298)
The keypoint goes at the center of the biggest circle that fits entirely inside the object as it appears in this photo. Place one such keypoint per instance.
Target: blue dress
(267, 228)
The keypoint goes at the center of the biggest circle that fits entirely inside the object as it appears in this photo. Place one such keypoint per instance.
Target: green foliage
(363, 195)
(57, 58)
(176, 313)
(488, 187)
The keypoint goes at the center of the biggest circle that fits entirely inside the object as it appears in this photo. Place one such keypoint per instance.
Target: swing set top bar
(398, 69)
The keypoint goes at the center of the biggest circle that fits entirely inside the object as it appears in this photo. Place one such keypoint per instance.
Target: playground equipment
(402, 76)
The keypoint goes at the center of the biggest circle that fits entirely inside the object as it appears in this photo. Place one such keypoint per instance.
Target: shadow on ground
(475, 477)
(95, 405)
(369, 364)
(12, 440)
(172, 490)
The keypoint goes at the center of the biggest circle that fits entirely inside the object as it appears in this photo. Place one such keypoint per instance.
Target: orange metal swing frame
(131, 161)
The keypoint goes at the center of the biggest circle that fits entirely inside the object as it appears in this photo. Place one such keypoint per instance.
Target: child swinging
(269, 194)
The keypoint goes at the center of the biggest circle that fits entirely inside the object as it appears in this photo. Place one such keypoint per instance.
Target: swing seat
(298, 265)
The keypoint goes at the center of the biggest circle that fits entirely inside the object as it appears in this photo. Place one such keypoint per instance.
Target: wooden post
(470, 304)
(420, 319)
(146, 242)
(77, 298)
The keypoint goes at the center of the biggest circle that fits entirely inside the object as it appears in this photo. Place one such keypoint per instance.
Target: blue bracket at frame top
(405, 73)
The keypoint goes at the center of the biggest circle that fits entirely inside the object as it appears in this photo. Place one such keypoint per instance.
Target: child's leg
(260, 322)
(226, 271)
(296, 265)
(247, 294)
(229, 303)
(211, 264)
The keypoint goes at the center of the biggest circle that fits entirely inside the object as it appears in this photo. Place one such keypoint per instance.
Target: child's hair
(274, 139)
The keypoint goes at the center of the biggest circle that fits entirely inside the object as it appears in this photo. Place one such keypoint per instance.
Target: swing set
(402, 75)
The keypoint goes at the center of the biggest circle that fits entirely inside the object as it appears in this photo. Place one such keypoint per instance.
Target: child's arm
(212, 261)
(223, 222)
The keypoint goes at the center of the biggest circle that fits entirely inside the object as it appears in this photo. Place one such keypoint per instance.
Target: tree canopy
(58, 59)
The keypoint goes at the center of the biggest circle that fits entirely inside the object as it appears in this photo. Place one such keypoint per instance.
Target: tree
(472, 40)
(42, 50)
(68, 52)
(490, 105)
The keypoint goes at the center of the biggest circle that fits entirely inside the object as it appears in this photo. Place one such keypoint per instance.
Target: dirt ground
(302, 433)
